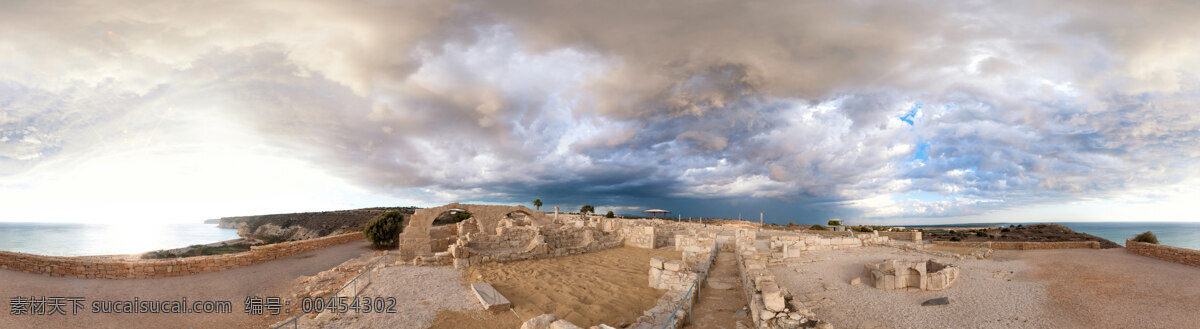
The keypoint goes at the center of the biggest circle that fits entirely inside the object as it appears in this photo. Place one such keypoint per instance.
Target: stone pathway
(721, 297)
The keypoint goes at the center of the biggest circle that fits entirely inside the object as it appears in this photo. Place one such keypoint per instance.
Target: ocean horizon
(78, 239)
(1177, 234)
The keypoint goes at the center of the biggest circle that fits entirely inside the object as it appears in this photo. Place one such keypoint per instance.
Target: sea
(66, 239)
(1178, 234)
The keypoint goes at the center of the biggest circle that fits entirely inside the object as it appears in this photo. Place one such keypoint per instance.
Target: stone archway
(415, 240)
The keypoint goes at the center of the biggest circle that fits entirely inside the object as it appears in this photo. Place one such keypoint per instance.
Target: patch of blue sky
(911, 116)
(922, 153)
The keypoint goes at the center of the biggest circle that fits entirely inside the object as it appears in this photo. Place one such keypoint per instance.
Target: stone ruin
(897, 274)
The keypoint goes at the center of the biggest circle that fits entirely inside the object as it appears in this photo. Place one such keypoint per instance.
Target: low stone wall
(639, 236)
(1168, 253)
(829, 233)
(696, 248)
(1005, 245)
(770, 305)
(914, 236)
(97, 268)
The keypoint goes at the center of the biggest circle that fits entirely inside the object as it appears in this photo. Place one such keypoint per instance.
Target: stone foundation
(899, 274)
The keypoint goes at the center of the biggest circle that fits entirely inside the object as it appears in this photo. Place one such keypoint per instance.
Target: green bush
(954, 238)
(384, 230)
(866, 229)
(1146, 237)
(835, 223)
(817, 228)
(981, 233)
(610, 214)
(1005, 230)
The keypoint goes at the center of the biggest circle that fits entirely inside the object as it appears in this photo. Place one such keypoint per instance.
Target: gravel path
(272, 278)
(421, 292)
(988, 293)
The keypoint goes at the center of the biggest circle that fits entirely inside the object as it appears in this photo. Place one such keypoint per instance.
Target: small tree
(816, 227)
(537, 203)
(834, 222)
(610, 214)
(1146, 237)
(586, 209)
(384, 230)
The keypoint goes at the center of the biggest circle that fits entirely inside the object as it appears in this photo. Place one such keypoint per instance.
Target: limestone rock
(856, 281)
(673, 265)
(657, 262)
(773, 297)
(540, 322)
(491, 299)
(563, 324)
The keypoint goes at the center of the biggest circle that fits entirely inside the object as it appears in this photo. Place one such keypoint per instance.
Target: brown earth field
(1029, 233)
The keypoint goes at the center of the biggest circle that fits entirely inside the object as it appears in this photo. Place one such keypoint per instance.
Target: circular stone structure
(924, 274)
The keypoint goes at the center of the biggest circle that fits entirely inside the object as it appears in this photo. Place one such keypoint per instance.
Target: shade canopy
(657, 211)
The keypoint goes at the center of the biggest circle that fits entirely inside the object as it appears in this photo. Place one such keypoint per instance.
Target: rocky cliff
(307, 225)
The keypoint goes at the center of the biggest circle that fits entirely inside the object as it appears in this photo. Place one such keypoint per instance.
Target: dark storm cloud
(633, 103)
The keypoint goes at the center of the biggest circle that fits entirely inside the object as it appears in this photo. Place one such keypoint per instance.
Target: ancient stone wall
(915, 236)
(770, 305)
(100, 268)
(415, 240)
(522, 243)
(1008, 245)
(696, 248)
(1167, 253)
(639, 236)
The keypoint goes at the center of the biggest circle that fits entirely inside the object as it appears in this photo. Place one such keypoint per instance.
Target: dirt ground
(610, 287)
(1112, 288)
(275, 278)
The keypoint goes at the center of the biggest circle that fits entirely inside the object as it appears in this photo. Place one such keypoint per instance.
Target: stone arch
(414, 240)
(912, 278)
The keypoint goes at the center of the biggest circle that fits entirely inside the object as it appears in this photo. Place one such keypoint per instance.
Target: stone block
(491, 299)
(773, 297)
(563, 324)
(540, 322)
(674, 265)
(657, 262)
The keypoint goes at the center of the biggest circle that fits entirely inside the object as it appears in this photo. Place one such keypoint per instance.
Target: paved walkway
(266, 279)
(721, 297)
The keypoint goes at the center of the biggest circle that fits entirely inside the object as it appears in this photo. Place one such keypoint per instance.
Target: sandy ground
(1112, 288)
(988, 293)
(610, 286)
(275, 278)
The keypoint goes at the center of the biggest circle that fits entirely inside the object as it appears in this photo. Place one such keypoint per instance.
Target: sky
(874, 112)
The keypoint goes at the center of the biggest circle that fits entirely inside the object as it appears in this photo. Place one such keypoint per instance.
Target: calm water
(1179, 234)
(58, 239)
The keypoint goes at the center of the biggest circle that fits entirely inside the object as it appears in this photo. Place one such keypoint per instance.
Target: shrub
(461, 216)
(954, 238)
(817, 228)
(1005, 230)
(610, 214)
(1146, 237)
(384, 230)
(981, 233)
(864, 229)
(834, 222)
